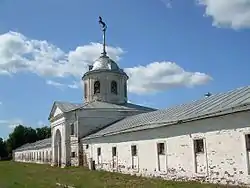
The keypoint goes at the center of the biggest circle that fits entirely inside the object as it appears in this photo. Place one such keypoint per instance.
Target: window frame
(247, 141)
(197, 142)
(73, 154)
(134, 153)
(161, 148)
(97, 89)
(99, 151)
(72, 129)
(114, 154)
(115, 86)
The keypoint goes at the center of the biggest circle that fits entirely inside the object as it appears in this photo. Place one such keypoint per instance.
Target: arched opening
(114, 87)
(97, 87)
(58, 148)
(47, 157)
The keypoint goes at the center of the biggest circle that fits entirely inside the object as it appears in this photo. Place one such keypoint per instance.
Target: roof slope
(206, 105)
(45, 143)
(67, 107)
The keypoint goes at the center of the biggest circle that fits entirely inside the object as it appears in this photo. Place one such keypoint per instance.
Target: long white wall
(224, 160)
(43, 156)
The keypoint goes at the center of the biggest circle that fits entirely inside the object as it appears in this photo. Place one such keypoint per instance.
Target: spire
(103, 28)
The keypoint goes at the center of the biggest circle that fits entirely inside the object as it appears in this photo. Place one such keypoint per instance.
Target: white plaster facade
(225, 158)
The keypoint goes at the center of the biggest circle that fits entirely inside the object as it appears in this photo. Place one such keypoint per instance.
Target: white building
(207, 139)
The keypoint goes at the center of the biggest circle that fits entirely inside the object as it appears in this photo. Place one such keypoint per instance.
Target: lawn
(15, 175)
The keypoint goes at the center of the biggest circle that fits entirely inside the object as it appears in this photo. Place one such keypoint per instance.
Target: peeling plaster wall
(74, 148)
(224, 159)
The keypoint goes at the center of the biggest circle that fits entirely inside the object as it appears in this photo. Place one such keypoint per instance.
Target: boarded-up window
(161, 148)
(247, 137)
(113, 151)
(199, 146)
(134, 150)
(98, 151)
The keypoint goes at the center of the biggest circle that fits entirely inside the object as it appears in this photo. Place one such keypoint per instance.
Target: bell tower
(105, 81)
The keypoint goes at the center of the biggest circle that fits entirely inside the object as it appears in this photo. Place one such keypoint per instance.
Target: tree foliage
(22, 135)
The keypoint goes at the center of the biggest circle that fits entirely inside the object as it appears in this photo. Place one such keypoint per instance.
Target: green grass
(15, 175)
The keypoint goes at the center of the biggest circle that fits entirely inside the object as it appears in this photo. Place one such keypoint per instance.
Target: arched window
(125, 90)
(114, 87)
(97, 87)
(85, 90)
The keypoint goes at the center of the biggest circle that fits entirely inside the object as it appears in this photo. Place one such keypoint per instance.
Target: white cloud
(59, 85)
(11, 123)
(160, 76)
(167, 3)
(228, 13)
(21, 54)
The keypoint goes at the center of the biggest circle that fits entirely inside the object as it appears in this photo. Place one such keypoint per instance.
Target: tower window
(97, 87)
(85, 90)
(125, 90)
(114, 87)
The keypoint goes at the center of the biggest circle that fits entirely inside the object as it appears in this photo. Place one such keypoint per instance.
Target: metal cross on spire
(104, 28)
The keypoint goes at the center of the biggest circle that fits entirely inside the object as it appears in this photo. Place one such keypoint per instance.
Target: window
(72, 129)
(87, 146)
(85, 90)
(97, 87)
(247, 138)
(98, 151)
(114, 87)
(133, 150)
(113, 151)
(161, 148)
(125, 90)
(199, 146)
(73, 154)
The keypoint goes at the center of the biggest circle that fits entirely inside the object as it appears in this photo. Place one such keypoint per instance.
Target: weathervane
(104, 28)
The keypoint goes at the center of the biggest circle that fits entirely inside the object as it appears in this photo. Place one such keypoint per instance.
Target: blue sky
(172, 53)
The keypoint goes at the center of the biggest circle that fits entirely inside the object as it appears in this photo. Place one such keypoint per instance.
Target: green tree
(44, 132)
(22, 135)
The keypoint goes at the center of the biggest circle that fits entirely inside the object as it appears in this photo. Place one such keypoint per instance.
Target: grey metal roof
(207, 105)
(67, 107)
(45, 143)
(125, 106)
